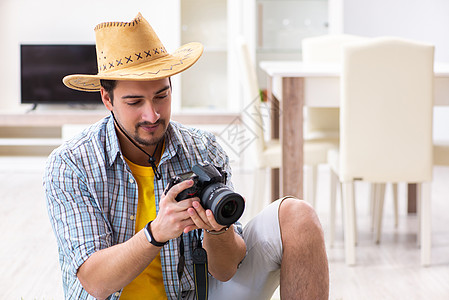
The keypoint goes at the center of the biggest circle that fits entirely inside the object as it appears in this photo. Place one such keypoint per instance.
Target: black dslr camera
(209, 185)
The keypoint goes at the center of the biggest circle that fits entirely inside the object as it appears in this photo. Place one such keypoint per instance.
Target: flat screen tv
(44, 66)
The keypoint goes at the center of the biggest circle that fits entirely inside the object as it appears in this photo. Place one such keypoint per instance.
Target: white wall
(423, 20)
(55, 21)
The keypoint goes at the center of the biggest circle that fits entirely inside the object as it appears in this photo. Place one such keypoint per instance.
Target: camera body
(209, 184)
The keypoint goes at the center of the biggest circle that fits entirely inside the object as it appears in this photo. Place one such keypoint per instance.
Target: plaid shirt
(92, 198)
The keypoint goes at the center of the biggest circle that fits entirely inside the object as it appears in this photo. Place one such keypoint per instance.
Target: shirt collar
(112, 144)
(172, 142)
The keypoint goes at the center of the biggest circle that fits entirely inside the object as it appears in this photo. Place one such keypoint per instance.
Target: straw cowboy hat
(132, 51)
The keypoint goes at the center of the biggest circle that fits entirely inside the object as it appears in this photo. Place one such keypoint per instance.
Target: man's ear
(105, 97)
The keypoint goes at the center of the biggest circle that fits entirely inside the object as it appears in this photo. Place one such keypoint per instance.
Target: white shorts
(258, 276)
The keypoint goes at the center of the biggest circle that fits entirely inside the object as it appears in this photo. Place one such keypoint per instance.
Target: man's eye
(161, 96)
(132, 103)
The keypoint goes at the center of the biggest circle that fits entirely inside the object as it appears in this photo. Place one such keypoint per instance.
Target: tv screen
(44, 66)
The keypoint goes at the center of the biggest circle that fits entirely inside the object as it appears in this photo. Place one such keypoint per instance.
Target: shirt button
(131, 217)
(131, 180)
(117, 294)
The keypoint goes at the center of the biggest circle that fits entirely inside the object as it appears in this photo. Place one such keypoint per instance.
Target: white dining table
(297, 84)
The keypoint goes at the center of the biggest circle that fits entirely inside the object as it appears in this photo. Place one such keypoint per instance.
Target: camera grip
(173, 181)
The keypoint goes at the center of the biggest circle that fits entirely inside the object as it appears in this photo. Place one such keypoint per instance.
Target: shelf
(278, 51)
(38, 133)
(59, 119)
(49, 118)
(279, 1)
(30, 142)
(212, 49)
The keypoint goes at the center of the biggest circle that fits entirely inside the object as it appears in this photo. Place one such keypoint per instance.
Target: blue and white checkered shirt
(92, 198)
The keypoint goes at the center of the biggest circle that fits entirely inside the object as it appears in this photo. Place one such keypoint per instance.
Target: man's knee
(304, 268)
(297, 217)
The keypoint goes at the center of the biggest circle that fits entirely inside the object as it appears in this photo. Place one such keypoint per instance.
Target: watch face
(150, 237)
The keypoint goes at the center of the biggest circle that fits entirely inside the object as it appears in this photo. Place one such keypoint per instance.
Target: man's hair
(109, 86)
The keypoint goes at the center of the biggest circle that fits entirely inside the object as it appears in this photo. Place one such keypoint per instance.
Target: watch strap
(150, 236)
(213, 232)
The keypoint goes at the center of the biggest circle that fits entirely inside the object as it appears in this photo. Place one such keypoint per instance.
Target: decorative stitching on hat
(171, 67)
(134, 22)
(92, 86)
(129, 58)
(83, 83)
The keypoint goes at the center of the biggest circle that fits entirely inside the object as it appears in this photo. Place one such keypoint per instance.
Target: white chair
(441, 153)
(440, 158)
(385, 125)
(265, 154)
(322, 124)
(327, 48)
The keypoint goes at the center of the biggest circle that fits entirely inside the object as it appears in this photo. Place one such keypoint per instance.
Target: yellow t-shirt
(149, 284)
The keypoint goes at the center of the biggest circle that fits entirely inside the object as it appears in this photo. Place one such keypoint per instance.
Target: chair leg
(418, 210)
(349, 225)
(259, 199)
(356, 238)
(395, 204)
(311, 184)
(426, 226)
(314, 183)
(354, 213)
(380, 195)
(333, 206)
(373, 205)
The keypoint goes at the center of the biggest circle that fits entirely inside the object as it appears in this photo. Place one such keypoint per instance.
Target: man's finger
(199, 222)
(178, 188)
(212, 221)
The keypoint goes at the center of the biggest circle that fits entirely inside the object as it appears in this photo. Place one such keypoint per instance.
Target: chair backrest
(324, 48)
(386, 111)
(252, 115)
(327, 48)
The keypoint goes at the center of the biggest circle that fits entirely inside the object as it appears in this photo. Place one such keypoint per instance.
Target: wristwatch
(150, 237)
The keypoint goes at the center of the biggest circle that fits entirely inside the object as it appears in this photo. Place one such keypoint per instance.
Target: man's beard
(152, 141)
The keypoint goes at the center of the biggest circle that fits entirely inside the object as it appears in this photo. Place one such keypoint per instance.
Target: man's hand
(202, 218)
(173, 217)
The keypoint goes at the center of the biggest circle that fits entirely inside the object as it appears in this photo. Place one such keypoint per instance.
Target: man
(121, 236)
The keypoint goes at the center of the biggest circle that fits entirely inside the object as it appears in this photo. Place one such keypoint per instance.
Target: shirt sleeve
(76, 218)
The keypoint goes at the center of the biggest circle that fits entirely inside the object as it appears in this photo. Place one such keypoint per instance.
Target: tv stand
(32, 108)
(38, 132)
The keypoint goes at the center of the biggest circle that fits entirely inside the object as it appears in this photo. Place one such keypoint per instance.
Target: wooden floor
(29, 267)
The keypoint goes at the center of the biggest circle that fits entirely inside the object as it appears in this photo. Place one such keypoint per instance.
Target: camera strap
(199, 257)
(200, 270)
(181, 264)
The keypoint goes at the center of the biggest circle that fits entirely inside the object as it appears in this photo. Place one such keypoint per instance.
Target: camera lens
(226, 205)
(229, 209)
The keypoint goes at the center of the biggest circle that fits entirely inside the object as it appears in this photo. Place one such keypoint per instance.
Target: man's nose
(150, 114)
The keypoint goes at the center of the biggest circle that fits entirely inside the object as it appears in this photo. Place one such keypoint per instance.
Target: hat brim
(166, 66)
